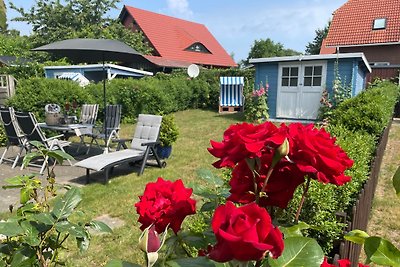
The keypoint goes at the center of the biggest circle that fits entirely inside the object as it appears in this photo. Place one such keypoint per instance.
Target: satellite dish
(193, 71)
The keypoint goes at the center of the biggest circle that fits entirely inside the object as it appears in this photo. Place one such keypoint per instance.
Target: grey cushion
(147, 130)
(102, 161)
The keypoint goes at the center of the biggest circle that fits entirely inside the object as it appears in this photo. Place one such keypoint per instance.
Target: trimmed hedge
(163, 93)
(357, 124)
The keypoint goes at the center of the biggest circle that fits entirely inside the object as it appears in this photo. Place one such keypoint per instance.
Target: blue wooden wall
(349, 70)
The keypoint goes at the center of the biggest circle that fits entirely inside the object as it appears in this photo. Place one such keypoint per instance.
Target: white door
(300, 89)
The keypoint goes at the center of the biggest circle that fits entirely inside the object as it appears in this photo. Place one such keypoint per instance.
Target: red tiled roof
(326, 50)
(352, 23)
(163, 62)
(171, 36)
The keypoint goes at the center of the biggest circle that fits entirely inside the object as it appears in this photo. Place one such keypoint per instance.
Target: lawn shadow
(238, 116)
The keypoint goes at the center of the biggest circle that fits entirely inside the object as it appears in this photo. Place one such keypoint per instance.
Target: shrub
(370, 111)
(33, 94)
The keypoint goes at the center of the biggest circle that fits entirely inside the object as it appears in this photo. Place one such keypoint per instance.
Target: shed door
(300, 89)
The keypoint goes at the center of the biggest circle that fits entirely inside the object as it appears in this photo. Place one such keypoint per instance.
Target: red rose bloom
(342, 263)
(282, 183)
(165, 203)
(314, 151)
(244, 233)
(245, 141)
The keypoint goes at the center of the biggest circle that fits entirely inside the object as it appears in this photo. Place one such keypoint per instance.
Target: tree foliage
(268, 48)
(314, 47)
(3, 16)
(51, 21)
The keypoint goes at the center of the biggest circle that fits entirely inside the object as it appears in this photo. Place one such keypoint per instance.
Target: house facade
(176, 43)
(371, 27)
(296, 83)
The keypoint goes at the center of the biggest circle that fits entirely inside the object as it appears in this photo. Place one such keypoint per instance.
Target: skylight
(379, 24)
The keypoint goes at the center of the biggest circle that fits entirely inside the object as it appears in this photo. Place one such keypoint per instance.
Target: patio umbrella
(92, 51)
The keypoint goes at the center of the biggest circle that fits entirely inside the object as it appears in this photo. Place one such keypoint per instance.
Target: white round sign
(193, 71)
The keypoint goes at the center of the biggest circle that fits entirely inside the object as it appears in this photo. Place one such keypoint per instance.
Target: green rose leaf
(299, 251)
(100, 226)
(59, 155)
(64, 206)
(44, 218)
(208, 206)
(356, 236)
(396, 181)
(24, 257)
(119, 263)
(381, 251)
(209, 177)
(29, 157)
(31, 233)
(10, 228)
(72, 228)
(83, 243)
(295, 230)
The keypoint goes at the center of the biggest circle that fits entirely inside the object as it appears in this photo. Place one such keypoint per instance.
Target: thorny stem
(258, 263)
(303, 197)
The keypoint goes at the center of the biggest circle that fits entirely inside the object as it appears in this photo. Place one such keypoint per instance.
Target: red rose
(245, 141)
(314, 151)
(342, 263)
(282, 183)
(165, 203)
(244, 233)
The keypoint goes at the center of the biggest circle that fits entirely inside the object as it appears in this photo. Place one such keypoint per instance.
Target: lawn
(117, 199)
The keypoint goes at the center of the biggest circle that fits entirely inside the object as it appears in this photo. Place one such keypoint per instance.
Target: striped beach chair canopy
(231, 91)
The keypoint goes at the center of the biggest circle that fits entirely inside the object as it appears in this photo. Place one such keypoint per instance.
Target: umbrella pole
(105, 109)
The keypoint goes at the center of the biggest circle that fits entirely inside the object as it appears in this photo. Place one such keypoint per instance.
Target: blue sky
(235, 23)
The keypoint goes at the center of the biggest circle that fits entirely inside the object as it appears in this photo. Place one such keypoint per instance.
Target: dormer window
(379, 24)
(198, 47)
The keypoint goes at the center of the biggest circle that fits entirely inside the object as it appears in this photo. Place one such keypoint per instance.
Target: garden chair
(142, 147)
(231, 94)
(88, 118)
(30, 127)
(110, 130)
(15, 136)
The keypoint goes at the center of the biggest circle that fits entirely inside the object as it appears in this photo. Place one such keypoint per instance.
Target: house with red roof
(371, 27)
(176, 43)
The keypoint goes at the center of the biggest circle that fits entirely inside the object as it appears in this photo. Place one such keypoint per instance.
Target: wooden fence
(362, 208)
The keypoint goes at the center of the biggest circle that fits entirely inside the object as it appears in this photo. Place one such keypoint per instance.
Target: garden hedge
(357, 124)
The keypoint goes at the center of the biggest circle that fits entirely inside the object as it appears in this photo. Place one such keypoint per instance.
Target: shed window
(290, 76)
(312, 76)
(379, 24)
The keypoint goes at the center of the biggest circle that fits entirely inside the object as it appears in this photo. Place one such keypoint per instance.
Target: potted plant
(168, 135)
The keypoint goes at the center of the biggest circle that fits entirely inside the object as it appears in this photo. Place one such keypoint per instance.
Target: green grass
(117, 199)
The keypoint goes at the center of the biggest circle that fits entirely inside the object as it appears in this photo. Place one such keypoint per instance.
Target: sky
(236, 24)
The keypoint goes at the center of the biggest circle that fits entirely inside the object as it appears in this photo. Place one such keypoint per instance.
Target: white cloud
(180, 8)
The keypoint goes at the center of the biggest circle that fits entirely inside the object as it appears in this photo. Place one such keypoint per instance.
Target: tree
(3, 16)
(268, 48)
(314, 47)
(52, 21)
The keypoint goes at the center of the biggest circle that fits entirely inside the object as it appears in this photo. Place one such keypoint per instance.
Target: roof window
(379, 24)
(198, 47)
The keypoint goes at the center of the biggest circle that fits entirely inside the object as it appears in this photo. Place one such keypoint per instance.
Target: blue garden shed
(296, 83)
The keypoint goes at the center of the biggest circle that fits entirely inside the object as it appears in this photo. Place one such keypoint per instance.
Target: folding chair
(110, 130)
(142, 147)
(15, 137)
(30, 127)
(88, 118)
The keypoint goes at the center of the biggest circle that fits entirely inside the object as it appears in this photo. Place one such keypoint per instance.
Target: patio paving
(65, 174)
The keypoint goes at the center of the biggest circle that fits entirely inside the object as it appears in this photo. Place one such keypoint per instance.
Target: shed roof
(171, 37)
(360, 56)
(352, 23)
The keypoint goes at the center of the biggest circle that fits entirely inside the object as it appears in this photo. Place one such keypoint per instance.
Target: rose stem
(303, 197)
